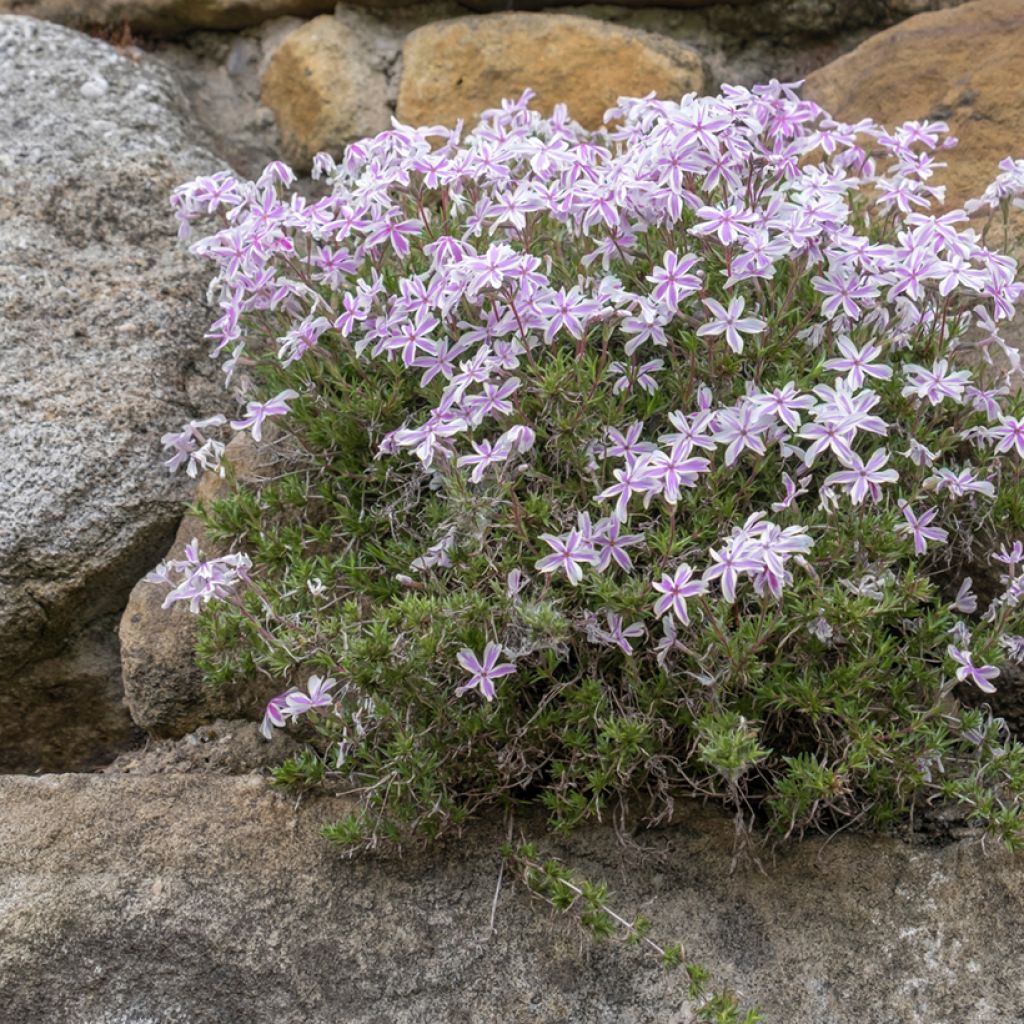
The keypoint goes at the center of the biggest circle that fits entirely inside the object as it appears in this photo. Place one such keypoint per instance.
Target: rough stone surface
(220, 73)
(778, 20)
(101, 322)
(207, 899)
(795, 20)
(221, 747)
(163, 17)
(325, 88)
(164, 690)
(746, 19)
(964, 66)
(458, 68)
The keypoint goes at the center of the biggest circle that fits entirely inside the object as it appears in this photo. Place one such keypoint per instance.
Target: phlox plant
(681, 457)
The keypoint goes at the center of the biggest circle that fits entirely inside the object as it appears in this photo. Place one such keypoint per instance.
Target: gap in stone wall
(67, 713)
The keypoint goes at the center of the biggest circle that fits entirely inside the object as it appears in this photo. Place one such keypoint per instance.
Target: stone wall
(176, 887)
(104, 315)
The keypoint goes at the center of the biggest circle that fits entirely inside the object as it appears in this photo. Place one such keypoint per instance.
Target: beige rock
(164, 690)
(164, 17)
(212, 900)
(964, 66)
(324, 90)
(458, 68)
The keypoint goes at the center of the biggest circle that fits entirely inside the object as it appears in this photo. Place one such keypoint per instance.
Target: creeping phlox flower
(715, 235)
(759, 549)
(731, 322)
(483, 671)
(917, 526)
(937, 383)
(275, 716)
(1009, 435)
(569, 554)
(1008, 188)
(1012, 579)
(864, 479)
(859, 363)
(256, 413)
(294, 703)
(191, 448)
(967, 671)
(675, 589)
(966, 601)
(614, 633)
(199, 581)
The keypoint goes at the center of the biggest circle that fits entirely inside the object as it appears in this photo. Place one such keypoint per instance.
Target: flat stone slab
(169, 899)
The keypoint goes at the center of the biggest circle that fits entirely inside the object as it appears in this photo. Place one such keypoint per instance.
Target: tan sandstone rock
(324, 89)
(164, 690)
(964, 65)
(458, 68)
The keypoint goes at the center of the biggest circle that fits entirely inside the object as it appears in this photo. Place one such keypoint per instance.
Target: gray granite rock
(101, 323)
(205, 899)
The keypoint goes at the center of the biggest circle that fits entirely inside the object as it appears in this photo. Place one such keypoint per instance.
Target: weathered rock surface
(458, 68)
(745, 19)
(220, 73)
(792, 20)
(964, 66)
(742, 19)
(209, 899)
(164, 690)
(101, 322)
(221, 747)
(163, 17)
(325, 88)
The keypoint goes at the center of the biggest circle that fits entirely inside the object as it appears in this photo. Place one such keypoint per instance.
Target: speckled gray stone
(101, 321)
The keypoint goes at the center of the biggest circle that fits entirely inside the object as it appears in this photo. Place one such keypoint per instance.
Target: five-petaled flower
(731, 322)
(293, 703)
(620, 635)
(675, 589)
(858, 363)
(862, 479)
(570, 553)
(257, 412)
(968, 672)
(728, 563)
(919, 528)
(673, 281)
(317, 695)
(483, 671)
(1009, 434)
